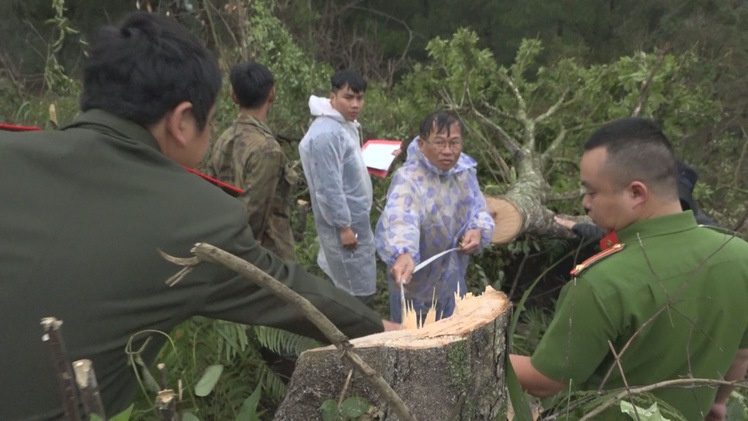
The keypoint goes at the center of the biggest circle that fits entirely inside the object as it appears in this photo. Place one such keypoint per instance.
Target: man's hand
(566, 223)
(388, 325)
(718, 412)
(532, 380)
(348, 238)
(470, 242)
(402, 269)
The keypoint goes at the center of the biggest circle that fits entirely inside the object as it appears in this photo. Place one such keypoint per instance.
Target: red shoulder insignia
(609, 240)
(599, 256)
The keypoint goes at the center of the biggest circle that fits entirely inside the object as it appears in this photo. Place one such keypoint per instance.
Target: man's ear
(639, 192)
(178, 122)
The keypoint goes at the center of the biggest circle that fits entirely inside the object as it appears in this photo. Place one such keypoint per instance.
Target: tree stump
(453, 369)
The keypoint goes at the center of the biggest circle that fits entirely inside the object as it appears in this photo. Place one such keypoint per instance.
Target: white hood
(320, 106)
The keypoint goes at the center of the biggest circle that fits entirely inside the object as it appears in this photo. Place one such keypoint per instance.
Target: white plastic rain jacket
(341, 193)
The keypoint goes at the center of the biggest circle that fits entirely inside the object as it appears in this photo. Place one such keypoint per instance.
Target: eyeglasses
(454, 145)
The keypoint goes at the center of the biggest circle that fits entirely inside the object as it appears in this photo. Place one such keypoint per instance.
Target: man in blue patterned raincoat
(434, 204)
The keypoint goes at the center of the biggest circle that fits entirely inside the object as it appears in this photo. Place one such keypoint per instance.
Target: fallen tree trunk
(451, 369)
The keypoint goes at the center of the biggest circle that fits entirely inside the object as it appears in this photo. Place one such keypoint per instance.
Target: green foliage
(248, 411)
(577, 58)
(55, 76)
(208, 381)
(737, 406)
(219, 367)
(531, 326)
(122, 416)
(280, 341)
(637, 413)
(573, 405)
(296, 74)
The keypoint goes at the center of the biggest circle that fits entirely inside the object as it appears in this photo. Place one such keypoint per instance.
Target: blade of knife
(432, 258)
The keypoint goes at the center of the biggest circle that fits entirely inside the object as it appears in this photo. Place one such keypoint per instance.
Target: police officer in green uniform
(86, 209)
(248, 156)
(666, 301)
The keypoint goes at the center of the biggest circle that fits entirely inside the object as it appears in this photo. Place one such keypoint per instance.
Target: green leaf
(737, 407)
(329, 409)
(206, 383)
(517, 395)
(248, 411)
(189, 416)
(122, 416)
(354, 407)
(650, 414)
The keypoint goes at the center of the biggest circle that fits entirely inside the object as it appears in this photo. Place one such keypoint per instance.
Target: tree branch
(555, 144)
(553, 109)
(571, 194)
(667, 383)
(522, 107)
(506, 139)
(644, 90)
(207, 252)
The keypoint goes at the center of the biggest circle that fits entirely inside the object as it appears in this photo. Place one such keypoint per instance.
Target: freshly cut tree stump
(453, 369)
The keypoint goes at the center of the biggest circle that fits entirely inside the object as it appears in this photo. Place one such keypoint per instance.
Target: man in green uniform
(665, 302)
(248, 156)
(86, 209)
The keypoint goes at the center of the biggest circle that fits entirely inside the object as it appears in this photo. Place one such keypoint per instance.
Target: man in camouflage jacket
(248, 156)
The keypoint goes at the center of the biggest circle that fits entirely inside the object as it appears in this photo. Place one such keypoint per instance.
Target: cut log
(516, 214)
(450, 369)
(507, 218)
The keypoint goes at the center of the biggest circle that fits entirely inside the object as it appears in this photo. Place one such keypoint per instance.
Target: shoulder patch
(596, 258)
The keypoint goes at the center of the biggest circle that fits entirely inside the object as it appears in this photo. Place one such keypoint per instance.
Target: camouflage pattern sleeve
(260, 172)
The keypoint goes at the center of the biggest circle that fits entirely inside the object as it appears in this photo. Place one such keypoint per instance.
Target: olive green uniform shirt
(248, 156)
(84, 212)
(679, 290)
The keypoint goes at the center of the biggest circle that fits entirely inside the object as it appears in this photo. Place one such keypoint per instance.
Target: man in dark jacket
(86, 209)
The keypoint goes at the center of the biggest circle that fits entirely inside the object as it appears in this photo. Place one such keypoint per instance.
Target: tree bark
(522, 209)
(451, 369)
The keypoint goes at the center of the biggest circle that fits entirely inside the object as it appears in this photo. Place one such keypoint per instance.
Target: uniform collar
(654, 227)
(105, 122)
(246, 118)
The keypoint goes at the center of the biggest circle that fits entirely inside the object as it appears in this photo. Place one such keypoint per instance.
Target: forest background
(530, 79)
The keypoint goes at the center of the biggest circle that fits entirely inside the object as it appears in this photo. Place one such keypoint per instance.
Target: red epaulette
(615, 248)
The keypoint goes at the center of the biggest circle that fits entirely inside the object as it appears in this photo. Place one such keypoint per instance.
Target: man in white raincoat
(340, 187)
(434, 204)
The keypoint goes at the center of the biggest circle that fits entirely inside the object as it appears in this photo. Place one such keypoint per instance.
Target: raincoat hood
(464, 163)
(321, 107)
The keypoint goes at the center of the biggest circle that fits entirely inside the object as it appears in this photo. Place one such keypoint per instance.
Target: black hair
(252, 83)
(637, 150)
(438, 121)
(147, 66)
(341, 78)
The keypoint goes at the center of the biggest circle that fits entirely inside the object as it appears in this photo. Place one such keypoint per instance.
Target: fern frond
(283, 342)
(273, 387)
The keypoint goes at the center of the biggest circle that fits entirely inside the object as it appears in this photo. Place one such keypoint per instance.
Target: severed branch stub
(166, 404)
(207, 252)
(69, 391)
(85, 377)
